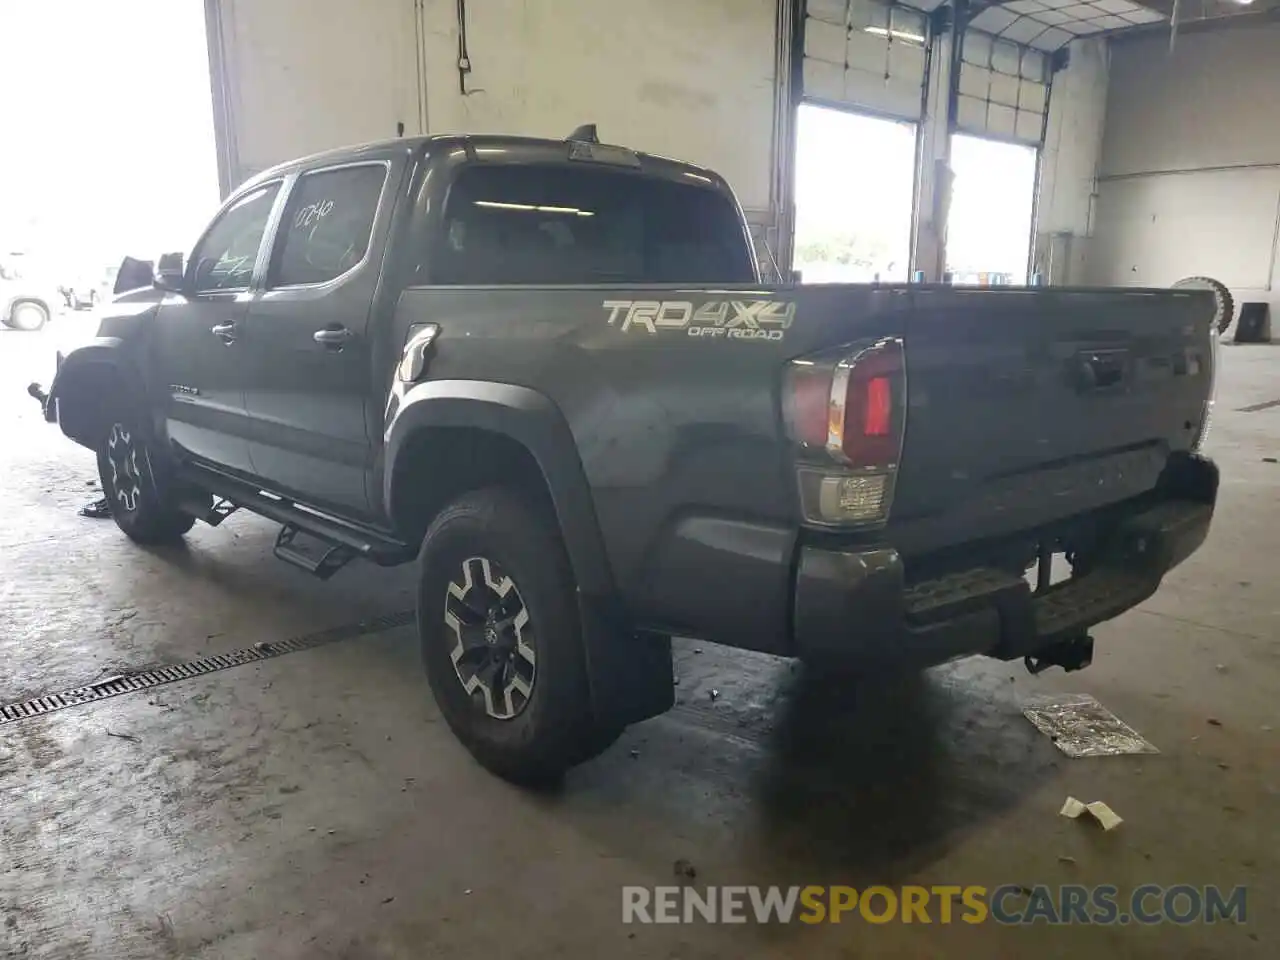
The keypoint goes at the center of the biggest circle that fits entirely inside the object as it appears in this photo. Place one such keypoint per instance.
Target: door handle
(226, 332)
(1101, 369)
(332, 338)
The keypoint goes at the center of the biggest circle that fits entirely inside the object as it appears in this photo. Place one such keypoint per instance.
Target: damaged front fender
(97, 363)
(85, 379)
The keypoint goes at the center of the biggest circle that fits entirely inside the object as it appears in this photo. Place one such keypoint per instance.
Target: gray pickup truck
(548, 371)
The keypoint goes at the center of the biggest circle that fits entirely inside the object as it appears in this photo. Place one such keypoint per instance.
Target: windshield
(561, 224)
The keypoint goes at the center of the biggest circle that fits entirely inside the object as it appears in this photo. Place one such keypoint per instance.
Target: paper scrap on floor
(1107, 817)
(1082, 727)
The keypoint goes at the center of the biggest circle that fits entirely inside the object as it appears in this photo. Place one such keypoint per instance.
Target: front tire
(501, 638)
(27, 315)
(135, 484)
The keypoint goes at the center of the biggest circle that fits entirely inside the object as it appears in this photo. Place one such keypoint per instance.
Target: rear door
(308, 371)
(199, 356)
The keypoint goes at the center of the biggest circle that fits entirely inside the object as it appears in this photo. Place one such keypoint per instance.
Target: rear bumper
(855, 605)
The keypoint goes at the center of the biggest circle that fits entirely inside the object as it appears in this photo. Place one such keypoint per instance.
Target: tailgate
(1028, 406)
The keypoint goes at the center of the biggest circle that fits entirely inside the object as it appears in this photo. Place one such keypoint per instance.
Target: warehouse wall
(293, 77)
(685, 78)
(696, 79)
(1190, 179)
(1069, 164)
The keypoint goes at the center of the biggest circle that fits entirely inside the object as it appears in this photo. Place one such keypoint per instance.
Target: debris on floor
(683, 869)
(1099, 811)
(1082, 727)
(96, 510)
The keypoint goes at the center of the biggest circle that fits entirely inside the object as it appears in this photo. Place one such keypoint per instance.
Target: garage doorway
(989, 225)
(115, 155)
(854, 189)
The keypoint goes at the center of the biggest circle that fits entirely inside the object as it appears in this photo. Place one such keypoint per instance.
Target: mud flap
(630, 674)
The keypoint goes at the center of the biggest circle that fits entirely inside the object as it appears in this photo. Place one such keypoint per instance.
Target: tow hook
(39, 394)
(1074, 653)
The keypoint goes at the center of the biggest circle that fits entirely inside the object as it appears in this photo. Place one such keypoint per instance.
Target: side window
(327, 227)
(225, 257)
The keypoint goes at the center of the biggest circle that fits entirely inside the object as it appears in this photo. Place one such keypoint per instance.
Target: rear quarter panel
(677, 431)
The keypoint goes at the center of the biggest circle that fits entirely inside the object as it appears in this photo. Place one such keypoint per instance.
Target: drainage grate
(1255, 407)
(145, 679)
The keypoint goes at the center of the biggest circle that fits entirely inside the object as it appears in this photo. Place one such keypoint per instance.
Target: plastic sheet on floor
(1083, 727)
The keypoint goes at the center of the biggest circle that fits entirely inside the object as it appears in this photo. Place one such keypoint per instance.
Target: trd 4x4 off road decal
(723, 319)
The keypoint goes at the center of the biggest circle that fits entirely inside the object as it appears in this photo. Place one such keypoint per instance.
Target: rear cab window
(532, 224)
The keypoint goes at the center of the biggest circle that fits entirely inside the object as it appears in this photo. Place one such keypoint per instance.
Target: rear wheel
(28, 315)
(139, 495)
(501, 638)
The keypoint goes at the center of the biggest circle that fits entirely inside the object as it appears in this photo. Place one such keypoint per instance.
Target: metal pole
(961, 14)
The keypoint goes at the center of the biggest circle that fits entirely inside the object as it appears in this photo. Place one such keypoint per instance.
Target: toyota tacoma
(549, 372)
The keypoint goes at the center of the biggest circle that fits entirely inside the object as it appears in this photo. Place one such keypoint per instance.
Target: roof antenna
(585, 133)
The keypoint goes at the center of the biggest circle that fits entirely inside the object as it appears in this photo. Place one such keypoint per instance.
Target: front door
(199, 348)
(308, 376)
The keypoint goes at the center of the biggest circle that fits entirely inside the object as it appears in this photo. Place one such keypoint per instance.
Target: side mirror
(169, 273)
(133, 274)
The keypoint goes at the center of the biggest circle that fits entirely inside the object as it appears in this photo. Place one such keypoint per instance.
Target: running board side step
(211, 512)
(339, 542)
(319, 557)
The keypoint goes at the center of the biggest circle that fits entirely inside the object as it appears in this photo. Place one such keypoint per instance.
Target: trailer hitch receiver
(1072, 653)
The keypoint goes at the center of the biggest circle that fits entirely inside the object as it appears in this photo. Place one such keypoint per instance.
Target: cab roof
(507, 148)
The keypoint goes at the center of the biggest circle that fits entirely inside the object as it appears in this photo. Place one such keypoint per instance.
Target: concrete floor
(314, 806)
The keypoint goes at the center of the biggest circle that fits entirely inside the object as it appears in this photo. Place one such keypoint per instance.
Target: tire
(1226, 304)
(501, 638)
(136, 484)
(28, 315)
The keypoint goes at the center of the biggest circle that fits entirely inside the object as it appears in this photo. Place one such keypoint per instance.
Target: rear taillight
(878, 407)
(846, 412)
(1207, 416)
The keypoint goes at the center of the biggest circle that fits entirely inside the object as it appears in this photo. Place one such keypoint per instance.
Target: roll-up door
(865, 54)
(1004, 89)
